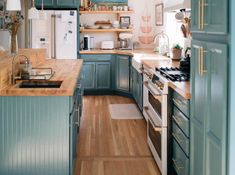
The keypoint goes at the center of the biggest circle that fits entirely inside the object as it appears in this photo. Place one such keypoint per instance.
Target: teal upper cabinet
(57, 3)
(123, 73)
(208, 109)
(209, 16)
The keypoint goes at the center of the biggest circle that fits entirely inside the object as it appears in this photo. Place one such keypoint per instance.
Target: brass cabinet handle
(202, 61)
(199, 61)
(199, 14)
(203, 13)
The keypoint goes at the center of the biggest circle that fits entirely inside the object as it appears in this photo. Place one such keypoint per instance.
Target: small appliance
(107, 45)
(126, 41)
(87, 42)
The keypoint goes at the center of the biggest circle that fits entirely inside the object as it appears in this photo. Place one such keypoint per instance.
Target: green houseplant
(176, 52)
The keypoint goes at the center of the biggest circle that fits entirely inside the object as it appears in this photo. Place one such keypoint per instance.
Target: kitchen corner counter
(65, 70)
(183, 88)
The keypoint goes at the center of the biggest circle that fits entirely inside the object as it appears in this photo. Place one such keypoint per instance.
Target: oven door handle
(156, 128)
(150, 89)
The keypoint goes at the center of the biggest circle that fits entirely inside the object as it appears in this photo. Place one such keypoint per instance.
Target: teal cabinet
(122, 73)
(96, 72)
(137, 87)
(89, 74)
(208, 108)
(209, 16)
(103, 71)
(57, 3)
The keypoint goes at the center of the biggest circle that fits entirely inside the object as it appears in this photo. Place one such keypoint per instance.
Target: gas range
(173, 74)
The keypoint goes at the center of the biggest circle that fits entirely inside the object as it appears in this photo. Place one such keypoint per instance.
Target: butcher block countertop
(65, 70)
(183, 88)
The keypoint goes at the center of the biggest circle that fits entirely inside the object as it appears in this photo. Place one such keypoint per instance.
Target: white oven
(155, 94)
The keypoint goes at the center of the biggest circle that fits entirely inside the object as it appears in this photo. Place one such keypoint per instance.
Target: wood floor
(111, 147)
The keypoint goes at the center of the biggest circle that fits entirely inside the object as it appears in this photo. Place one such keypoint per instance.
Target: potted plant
(176, 52)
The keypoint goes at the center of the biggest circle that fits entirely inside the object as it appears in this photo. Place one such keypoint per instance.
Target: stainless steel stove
(173, 74)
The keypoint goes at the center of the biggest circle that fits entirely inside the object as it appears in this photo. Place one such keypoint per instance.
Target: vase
(14, 45)
(176, 54)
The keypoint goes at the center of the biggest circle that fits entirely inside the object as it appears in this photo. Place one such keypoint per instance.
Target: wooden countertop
(66, 71)
(118, 52)
(183, 88)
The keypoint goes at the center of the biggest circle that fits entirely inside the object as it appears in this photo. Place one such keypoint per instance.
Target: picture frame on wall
(125, 21)
(2, 13)
(159, 14)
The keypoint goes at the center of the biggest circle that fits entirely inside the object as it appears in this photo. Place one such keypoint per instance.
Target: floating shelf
(107, 12)
(106, 30)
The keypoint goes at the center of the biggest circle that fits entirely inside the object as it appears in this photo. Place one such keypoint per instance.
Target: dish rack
(41, 74)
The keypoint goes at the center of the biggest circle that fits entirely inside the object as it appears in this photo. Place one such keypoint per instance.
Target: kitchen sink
(40, 84)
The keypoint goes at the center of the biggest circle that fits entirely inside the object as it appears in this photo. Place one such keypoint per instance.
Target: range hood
(174, 5)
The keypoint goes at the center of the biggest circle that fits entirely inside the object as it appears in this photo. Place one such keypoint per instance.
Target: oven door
(157, 141)
(156, 103)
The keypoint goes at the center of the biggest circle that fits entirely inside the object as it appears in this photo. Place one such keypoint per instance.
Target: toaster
(107, 45)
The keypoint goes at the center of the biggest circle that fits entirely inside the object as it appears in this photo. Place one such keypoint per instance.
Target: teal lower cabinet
(38, 135)
(137, 87)
(96, 72)
(208, 117)
(180, 134)
(122, 65)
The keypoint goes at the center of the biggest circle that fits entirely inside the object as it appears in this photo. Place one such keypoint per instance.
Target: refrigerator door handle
(53, 36)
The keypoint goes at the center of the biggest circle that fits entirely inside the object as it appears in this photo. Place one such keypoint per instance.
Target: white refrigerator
(57, 33)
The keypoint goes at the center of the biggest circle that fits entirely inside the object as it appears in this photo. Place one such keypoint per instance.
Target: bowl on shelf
(146, 29)
(105, 27)
(146, 18)
(146, 39)
(92, 27)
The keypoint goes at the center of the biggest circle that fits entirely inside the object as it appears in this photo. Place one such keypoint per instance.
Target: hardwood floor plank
(112, 147)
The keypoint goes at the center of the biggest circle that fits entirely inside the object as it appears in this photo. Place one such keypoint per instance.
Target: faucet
(14, 77)
(163, 35)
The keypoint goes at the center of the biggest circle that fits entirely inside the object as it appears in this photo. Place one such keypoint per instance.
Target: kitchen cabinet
(208, 122)
(137, 87)
(209, 16)
(96, 72)
(57, 3)
(38, 134)
(122, 64)
(180, 134)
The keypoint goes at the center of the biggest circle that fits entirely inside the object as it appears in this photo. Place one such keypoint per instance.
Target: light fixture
(13, 5)
(33, 12)
(42, 14)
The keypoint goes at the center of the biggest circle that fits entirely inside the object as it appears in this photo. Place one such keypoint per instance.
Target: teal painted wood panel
(216, 122)
(215, 17)
(103, 72)
(34, 135)
(47, 3)
(123, 73)
(108, 1)
(231, 93)
(67, 3)
(89, 71)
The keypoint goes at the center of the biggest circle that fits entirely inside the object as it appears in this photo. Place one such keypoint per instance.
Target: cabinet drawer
(181, 103)
(87, 57)
(180, 160)
(180, 138)
(182, 121)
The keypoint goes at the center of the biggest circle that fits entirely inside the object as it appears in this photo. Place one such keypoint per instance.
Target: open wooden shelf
(106, 30)
(107, 12)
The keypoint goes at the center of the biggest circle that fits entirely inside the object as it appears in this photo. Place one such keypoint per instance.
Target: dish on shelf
(92, 27)
(146, 29)
(146, 18)
(146, 39)
(105, 27)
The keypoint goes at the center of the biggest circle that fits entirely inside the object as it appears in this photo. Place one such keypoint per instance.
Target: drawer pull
(178, 165)
(178, 137)
(178, 102)
(178, 120)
